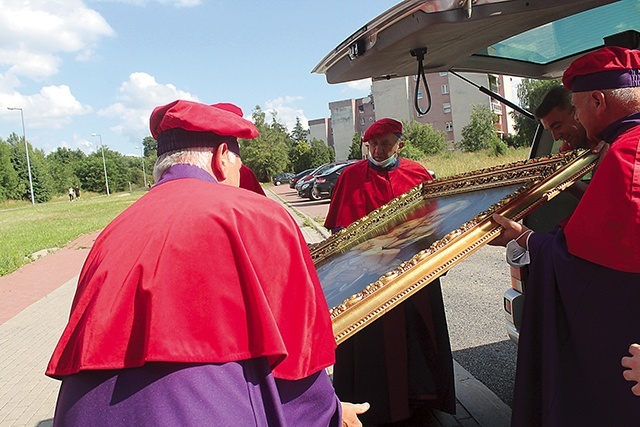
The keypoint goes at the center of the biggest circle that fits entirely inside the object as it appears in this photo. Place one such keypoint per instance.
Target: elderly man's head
(383, 140)
(201, 135)
(606, 87)
(557, 115)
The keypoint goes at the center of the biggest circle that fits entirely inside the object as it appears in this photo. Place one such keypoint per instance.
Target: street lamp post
(26, 148)
(104, 163)
(144, 173)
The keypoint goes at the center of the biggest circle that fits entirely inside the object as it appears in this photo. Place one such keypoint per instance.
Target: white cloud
(285, 111)
(51, 108)
(360, 86)
(176, 3)
(36, 35)
(37, 32)
(137, 97)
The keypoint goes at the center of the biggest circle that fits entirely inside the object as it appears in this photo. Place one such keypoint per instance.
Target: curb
(307, 219)
(479, 401)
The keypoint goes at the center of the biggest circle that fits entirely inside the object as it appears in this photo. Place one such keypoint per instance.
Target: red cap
(610, 67)
(184, 124)
(383, 127)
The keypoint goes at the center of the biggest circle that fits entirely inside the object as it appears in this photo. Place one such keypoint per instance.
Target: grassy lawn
(454, 163)
(26, 229)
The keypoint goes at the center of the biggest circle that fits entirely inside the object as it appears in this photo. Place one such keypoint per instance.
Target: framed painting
(385, 257)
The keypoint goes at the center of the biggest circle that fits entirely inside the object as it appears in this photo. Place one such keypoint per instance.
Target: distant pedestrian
(71, 194)
(76, 190)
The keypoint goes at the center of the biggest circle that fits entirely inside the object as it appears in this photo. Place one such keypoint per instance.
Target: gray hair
(196, 156)
(628, 97)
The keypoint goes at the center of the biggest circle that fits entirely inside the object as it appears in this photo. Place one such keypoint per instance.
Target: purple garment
(241, 393)
(579, 319)
(617, 128)
(185, 171)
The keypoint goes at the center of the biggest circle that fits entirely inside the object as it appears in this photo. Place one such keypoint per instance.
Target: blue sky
(82, 67)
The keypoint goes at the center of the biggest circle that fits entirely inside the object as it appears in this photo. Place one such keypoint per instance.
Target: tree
(90, 172)
(411, 152)
(9, 179)
(299, 133)
(530, 93)
(61, 168)
(320, 153)
(355, 151)
(424, 137)
(480, 133)
(39, 175)
(300, 156)
(150, 147)
(267, 154)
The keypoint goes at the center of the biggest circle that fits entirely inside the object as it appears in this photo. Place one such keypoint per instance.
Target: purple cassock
(578, 321)
(241, 393)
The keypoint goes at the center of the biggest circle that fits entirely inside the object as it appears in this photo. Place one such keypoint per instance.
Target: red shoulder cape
(361, 189)
(198, 272)
(249, 180)
(605, 227)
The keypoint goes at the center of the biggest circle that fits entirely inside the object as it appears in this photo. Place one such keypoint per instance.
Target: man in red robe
(401, 362)
(581, 306)
(179, 318)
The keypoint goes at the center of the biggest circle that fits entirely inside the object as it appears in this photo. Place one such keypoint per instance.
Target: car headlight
(304, 186)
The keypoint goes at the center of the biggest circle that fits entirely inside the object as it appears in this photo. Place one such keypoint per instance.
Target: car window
(558, 40)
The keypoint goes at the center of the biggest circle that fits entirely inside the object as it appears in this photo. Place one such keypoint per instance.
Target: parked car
(323, 184)
(305, 184)
(296, 177)
(281, 178)
(536, 40)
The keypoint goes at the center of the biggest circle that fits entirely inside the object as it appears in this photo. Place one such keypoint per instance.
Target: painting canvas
(379, 261)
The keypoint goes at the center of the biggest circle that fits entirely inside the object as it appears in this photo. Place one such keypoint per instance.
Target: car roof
(335, 167)
(535, 39)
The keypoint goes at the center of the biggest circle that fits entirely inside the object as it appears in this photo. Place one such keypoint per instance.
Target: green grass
(26, 229)
(454, 163)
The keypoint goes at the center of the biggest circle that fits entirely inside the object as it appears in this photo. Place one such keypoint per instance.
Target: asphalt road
(472, 293)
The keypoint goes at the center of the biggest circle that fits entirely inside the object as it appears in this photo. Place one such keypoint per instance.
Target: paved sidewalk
(34, 307)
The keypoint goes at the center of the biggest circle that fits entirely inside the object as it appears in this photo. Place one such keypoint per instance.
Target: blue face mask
(387, 163)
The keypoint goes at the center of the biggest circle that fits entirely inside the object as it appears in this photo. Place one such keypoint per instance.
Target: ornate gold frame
(541, 179)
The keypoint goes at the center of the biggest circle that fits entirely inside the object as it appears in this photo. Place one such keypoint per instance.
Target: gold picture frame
(387, 256)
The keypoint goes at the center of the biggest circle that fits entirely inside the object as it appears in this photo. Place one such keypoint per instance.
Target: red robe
(406, 354)
(186, 274)
(362, 188)
(249, 180)
(605, 227)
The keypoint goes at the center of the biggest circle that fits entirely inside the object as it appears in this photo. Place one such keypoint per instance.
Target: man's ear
(219, 162)
(400, 145)
(599, 101)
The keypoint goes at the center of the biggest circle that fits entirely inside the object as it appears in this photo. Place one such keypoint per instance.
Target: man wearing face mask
(401, 364)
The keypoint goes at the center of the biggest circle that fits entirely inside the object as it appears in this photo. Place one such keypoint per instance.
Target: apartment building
(451, 98)
(321, 130)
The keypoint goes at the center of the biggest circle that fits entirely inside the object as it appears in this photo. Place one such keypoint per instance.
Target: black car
(323, 184)
(281, 178)
(296, 177)
(305, 184)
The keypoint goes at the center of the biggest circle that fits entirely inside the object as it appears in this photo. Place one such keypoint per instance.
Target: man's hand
(511, 230)
(350, 412)
(632, 363)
